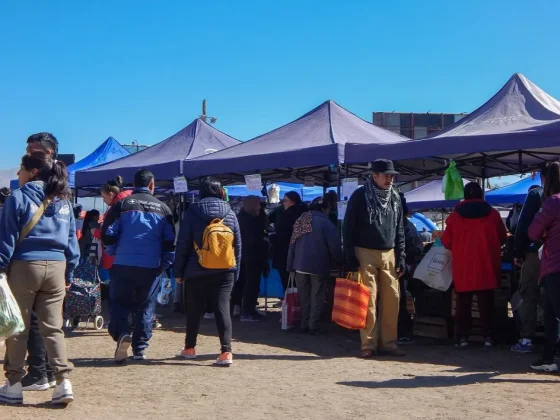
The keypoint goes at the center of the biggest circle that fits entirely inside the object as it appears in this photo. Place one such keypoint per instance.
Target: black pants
(198, 290)
(463, 312)
(551, 314)
(251, 277)
(405, 325)
(36, 352)
(285, 277)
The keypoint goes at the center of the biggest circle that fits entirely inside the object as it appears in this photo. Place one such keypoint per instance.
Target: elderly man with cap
(374, 241)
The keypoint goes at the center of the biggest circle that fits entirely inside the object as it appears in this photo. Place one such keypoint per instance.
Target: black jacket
(532, 205)
(359, 232)
(195, 220)
(284, 226)
(254, 245)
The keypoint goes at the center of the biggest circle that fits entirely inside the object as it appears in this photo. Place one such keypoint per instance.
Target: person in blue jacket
(41, 254)
(140, 234)
(314, 249)
(202, 283)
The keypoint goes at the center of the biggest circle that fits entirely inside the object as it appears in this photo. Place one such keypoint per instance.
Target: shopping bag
(291, 310)
(271, 286)
(351, 302)
(452, 184)
(165, 290)
(435, 268)
(11, 321)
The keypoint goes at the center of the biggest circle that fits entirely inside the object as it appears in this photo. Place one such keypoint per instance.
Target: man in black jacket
(374, 241)
(254, 258)
(525, 254)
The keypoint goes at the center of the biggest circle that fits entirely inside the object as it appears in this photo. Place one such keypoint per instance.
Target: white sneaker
(236, 310)
(11, 394)
(63, 393)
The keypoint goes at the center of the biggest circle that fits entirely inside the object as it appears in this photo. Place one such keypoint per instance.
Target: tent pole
(338, 180)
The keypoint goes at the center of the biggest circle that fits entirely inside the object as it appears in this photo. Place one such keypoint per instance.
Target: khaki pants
(39, 284)
(530, 292)
(379, 275)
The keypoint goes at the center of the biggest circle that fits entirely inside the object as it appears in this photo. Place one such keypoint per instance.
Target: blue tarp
(429, 196)
(165, 159)
(108, 151)
(513, 132)
(316, 139)
(514, 193)
(306, 193)
(420, 222)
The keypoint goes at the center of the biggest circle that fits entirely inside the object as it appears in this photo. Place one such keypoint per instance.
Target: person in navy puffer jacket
(41, 255)
(140, 234)
(202, 283)
(314, 248)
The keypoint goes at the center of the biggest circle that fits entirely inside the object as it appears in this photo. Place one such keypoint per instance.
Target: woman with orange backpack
(207, 260)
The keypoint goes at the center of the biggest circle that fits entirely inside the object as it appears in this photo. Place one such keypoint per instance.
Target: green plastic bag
(453, 187)
(11, 322)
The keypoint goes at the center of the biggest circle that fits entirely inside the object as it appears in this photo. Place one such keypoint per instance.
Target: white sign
(309, 181)
(341, 205)
(254, 182)
(349, 185)
(180, 184)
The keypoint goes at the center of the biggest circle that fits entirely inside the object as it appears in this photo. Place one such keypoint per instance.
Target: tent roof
(316, 139)
(108, 151)
(429, 196)
(517, 129)
(513, 193)
(164, 159)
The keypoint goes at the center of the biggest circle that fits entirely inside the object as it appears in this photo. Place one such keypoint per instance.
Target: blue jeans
(133, 291)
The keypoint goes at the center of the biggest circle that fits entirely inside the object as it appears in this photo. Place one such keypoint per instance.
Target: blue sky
(138, 70)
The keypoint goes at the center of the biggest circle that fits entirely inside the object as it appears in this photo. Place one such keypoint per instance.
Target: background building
(413, 125)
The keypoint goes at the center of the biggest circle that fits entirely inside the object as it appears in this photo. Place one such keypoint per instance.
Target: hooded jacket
(475, 234)
(140, 232)
(546, 225)
(107, 260)
(196, 219)
(254, 245)
(523, 243)
(52, 239)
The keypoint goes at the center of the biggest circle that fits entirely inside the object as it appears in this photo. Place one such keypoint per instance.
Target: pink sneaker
(225, 359)
(188, 354)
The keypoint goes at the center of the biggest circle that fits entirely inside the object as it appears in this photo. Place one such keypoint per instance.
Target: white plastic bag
(435, 268)
(540, 252)
(165, 290)
(11, 321)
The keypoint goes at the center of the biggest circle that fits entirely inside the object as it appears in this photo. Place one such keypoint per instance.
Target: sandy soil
(280, 375)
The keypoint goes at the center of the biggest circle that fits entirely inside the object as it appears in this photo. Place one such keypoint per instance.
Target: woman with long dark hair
(202, 283)
(546, 227)
(38, 242)
(285, 221)
(91, 222)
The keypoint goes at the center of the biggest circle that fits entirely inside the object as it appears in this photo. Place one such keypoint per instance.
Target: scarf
(380, 201)
(302, 226)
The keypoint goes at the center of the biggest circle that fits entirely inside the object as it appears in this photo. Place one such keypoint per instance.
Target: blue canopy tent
(107, 151)
(165, 159)
(514, 193)
(311, 146)
(514, 132)
(429, 196)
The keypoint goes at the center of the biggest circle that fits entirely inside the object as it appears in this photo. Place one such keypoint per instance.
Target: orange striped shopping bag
(351, 300)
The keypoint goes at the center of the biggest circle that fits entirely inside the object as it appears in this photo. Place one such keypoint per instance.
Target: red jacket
(106, 259)
(475, 234)
(546, 224)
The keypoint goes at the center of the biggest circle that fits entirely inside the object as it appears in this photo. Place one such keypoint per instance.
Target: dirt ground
(280, 375)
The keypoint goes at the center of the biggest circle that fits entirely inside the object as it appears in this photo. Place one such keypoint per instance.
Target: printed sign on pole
(254, 182)
(309, 181)
(180, 184)
(349, 185)
(342, 209)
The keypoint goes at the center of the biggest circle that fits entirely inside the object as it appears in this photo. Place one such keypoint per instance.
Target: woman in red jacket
(474, 234)
(112, 193)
